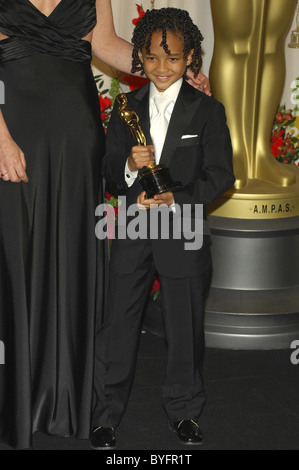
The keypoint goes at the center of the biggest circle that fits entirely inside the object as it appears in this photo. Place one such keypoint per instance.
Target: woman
(51, 264)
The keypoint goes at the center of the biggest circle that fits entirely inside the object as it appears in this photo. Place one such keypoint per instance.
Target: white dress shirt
(172, 93)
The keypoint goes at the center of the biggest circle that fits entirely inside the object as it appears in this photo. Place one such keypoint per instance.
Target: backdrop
(200, 11)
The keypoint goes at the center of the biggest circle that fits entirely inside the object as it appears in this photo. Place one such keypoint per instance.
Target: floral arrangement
(107, 102)
(108, 96)
(295, 93)
(284, 140)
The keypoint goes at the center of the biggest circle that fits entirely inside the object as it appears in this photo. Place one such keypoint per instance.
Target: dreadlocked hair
(167, 19)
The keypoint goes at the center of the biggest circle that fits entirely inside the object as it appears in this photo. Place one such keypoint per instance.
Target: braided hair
(167, 19)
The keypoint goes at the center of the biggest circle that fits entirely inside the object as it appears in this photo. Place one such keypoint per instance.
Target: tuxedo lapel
(141, 106)
(185, 107)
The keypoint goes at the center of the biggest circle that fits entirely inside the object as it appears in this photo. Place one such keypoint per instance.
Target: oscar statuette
(154, 179)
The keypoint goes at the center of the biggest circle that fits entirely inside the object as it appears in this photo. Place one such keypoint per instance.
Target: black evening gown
(51, 264)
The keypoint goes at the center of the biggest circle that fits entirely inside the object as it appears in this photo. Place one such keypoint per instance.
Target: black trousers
(183, 393)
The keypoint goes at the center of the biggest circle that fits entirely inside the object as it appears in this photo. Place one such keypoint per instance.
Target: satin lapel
(183, 112)
(141, 106)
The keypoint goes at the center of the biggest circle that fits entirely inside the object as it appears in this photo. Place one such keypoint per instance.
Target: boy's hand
(141, 156)
(165, 198)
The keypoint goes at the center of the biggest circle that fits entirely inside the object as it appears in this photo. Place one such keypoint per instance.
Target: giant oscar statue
(254, 299)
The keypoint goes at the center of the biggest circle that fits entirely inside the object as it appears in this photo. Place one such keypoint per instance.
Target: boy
(197, 150)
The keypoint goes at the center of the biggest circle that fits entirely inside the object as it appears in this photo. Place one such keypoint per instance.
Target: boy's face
(161, 68)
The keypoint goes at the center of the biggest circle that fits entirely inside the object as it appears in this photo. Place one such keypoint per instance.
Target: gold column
(247, 75)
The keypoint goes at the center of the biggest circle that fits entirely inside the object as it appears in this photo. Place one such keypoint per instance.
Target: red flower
(289, 116)
(105, 103)
(155, 286)
(141, 13)
(108, 196)
(279, 118)
(134, 82)
(276, 143)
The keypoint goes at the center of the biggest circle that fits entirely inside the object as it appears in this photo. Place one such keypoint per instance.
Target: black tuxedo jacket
(202, 163)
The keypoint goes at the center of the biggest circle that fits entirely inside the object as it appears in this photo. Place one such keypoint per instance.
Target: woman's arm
(106, 45)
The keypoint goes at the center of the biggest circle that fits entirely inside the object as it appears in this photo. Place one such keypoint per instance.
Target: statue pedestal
(259, 200)
(253, 302)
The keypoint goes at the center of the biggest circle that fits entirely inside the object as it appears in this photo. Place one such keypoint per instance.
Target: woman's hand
(12, 162)
(201, 82)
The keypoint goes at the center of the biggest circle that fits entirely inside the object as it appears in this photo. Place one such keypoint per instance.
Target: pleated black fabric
(59, 34)
(51, 264)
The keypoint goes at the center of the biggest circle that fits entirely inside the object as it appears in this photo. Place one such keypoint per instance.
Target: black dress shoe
(102, 438)
(188, 432)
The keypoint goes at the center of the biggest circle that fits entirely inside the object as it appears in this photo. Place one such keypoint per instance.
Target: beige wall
(125, 11)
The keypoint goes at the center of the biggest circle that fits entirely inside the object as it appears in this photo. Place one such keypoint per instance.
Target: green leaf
(155, 294)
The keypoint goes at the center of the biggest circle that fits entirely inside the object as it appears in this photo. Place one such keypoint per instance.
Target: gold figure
(130, 118)
(156, 179)
(247, 75)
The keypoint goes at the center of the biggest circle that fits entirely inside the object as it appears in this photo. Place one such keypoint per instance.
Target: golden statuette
(130, 118)
(154, 179)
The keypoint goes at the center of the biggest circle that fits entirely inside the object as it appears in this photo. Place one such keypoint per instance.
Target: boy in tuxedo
(195, 145)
